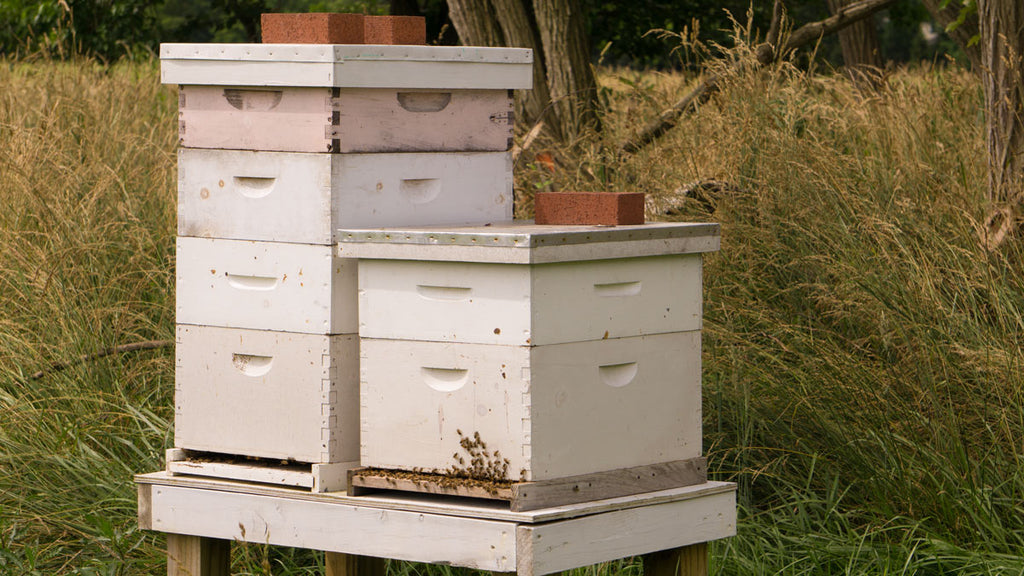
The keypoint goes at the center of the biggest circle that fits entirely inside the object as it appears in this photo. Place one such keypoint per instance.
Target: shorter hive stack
(559, 363)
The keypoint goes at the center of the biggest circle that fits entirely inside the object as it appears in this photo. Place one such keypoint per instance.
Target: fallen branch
(134, 347)
(766, 54)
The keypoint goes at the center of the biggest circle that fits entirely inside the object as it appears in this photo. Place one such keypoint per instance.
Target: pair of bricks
(335, 28)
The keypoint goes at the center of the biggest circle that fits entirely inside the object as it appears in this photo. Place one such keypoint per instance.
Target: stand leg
(686, 561)
(197, 556)
(339, 564)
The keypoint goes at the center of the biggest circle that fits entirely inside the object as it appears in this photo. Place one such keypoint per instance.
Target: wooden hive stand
(203, 516)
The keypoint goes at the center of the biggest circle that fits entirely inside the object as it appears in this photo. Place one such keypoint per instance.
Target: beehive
(281, 145)
(568, 350)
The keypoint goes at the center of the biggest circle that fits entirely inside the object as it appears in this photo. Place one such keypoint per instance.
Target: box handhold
(589, 208)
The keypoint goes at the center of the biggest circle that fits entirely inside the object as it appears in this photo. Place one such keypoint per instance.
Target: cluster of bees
(482, 464)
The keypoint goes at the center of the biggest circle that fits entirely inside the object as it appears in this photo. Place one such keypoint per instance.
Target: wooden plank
(556, 546)
(378, 55)
(449, 506)
(145, 513)
(335, 527)
(611, 484)
(355, 120)
(525, 496)
(424, 484)
(523, 242)
(689, 560)
(612, 404)
(197, 556)
(422, 121)
(242, 118)
(347, 66)
(337, 564)
(450, 75)
(319, 477)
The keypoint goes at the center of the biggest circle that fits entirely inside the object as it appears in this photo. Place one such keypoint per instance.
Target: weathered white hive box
(267, 394)
(570, 350)
(265, 286)
(305, 198)
(345, 98)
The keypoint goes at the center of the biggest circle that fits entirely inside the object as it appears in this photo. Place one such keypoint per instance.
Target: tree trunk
(1002, 66)
(475, 22)
(963, 33)
(861, 53)
(564, 91)
(563, 33)
(533, 105)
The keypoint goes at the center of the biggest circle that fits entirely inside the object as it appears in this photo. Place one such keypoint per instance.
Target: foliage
(111, 29)
(621, 30)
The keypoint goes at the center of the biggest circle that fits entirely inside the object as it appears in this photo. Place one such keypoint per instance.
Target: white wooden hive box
(305, 198)
(266, 286)
(267, 394)
(517, 284)
(552, 411)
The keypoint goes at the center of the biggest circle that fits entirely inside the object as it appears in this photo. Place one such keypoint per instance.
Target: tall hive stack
(282, 145)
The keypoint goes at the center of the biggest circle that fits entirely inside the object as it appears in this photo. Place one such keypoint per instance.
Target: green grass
(862, 352)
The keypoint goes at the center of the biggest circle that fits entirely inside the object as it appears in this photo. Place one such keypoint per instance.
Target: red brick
(395, 30)
(312, 28)
(609, 208)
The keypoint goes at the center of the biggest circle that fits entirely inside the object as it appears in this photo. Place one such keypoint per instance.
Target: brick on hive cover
(589, 208)
(312, 28)
(395, 30)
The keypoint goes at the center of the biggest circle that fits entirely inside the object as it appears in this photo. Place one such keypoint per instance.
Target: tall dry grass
(86, 263)
(862, 351)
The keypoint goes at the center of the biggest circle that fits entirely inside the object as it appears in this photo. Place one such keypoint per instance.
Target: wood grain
(368, 480)
(197, 556)
(689, 560)
(338, 564)
(450, 506)
(335, 527)
(611, 484)
(145, 513)
(525, 496)
(556, 546)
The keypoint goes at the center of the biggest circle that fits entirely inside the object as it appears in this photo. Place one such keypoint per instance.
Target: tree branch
(800, 37)
(133, 347)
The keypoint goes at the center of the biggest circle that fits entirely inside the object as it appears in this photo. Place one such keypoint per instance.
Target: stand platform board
(202, 516)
